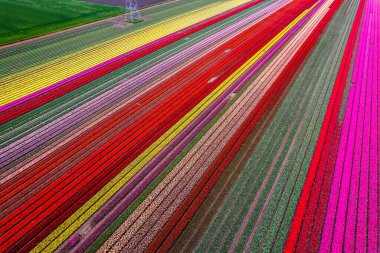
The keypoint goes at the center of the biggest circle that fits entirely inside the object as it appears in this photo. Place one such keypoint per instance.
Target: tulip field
(210, 126)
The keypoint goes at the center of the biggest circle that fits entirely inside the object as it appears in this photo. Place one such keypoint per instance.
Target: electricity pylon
(132, 12)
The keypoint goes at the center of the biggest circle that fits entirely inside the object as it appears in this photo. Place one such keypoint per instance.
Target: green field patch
(25, 19)
(134, 21)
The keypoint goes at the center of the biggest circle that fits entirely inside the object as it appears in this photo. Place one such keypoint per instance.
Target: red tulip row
(179, 220)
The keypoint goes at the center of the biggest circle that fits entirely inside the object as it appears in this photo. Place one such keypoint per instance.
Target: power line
(132, 12)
